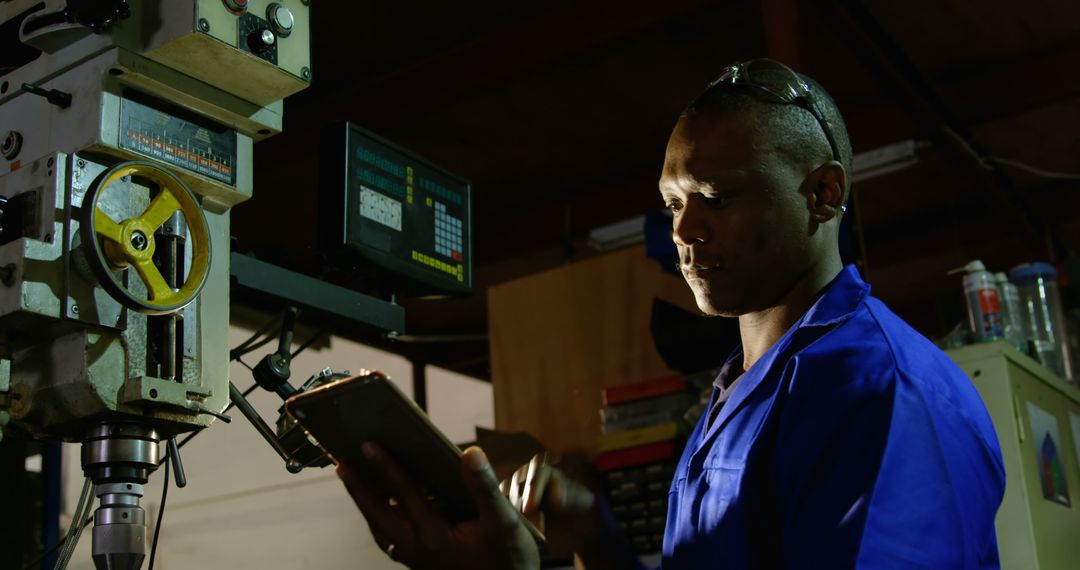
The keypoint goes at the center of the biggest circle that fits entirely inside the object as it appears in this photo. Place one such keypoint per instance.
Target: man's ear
(828, 191)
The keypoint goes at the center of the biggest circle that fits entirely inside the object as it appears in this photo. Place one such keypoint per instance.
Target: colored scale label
(174, 136)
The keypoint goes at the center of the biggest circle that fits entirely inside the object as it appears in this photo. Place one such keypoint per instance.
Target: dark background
(559, 113)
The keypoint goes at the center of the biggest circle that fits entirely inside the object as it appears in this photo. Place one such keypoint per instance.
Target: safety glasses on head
(773, 82)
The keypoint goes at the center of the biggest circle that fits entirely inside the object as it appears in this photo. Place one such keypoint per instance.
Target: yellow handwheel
(116, 246)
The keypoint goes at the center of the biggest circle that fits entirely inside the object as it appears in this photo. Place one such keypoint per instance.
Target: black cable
(307, 343)
(30, 565)
(246, 346)
(236, 353)
(191, 435)
(267, 327)
(246, 394)
(59, 544)
(181, 443)
(164, 492)
(160, 513)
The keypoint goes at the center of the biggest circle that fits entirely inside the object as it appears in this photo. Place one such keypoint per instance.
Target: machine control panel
(388, 206)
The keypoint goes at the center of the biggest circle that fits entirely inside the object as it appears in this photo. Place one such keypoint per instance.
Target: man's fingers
(491, 505)
(536, 489)
(382, 540)
(530, 474)
(569, 497)
(517, 481)
(374, 504)
(428, 525)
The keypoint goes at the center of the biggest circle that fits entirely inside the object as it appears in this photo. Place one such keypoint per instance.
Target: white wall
(458, 403)
(242, 510)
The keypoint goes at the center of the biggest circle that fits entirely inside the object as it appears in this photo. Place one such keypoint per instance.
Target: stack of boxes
(642, 434)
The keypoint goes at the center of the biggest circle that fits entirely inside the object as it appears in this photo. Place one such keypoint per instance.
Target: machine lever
(272, 372)
(237, 397)
(177, 464)
(55, 96)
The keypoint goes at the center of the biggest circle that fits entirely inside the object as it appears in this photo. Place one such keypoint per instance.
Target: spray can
(1012, 314)
(983, 302)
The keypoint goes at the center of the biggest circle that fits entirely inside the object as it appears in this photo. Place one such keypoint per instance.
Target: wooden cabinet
(559, 337)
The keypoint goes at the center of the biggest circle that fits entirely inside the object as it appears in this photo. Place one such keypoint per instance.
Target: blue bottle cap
(1030, 271)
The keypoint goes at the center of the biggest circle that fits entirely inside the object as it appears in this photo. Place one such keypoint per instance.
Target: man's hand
(574, 519)
(568, 512)
(411, 532)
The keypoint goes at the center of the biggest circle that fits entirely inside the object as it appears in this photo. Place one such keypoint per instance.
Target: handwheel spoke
(105, 227)
(151, 276)
(159, 210)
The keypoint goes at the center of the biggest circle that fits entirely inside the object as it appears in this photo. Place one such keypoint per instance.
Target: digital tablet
(341, 415)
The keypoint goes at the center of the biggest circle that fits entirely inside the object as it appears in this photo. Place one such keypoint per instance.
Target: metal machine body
(89, 349)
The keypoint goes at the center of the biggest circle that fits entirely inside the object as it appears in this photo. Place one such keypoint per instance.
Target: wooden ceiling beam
(883, 56)
(987, 94)
(780, 19)
(503, 55)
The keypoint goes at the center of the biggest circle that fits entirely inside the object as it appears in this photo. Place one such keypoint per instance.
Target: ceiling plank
(781, 23)
(502, 55)
(880, 52)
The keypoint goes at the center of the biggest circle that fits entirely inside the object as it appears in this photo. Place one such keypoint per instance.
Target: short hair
(803, 139)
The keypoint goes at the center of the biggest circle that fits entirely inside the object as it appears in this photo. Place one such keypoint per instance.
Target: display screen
(402, 212)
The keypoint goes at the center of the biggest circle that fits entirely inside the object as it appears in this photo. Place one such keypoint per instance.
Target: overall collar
(837, 303)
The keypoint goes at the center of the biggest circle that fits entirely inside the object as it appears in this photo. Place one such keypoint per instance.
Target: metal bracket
(157, 391)
(310, 292)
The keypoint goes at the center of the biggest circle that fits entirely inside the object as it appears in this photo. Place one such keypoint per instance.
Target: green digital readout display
(399, 211)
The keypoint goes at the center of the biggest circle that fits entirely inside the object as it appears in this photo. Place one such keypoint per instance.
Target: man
(838, 437)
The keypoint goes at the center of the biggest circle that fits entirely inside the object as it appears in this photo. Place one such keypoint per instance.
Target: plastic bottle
(983, 302)
(1012, 316)
(1041, 304)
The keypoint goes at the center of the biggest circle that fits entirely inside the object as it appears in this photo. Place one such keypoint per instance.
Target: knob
(261, 40)
(237, 7)
(281, 18)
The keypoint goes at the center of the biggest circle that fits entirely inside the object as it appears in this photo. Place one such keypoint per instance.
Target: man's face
(741, 221)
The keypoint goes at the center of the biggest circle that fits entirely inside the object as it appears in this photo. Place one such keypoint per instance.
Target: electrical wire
(307, 343)
(84, 504)
(78, 531)
(33, 564)
(236, 353)
(86, 499)
(191, 435)
(1033, 170)
(250, 389)
(161, 512)
(987, 162)
(964, 144)
(70, 541)
(246, 346)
